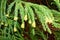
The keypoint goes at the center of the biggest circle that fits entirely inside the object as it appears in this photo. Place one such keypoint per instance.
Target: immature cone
(7, 15)
(25, 18)
(48, 20)
(15, 18)
(15, 29)
(6, 24)
(2, 23)
(22, 25)
(30, 22)
(33, 24)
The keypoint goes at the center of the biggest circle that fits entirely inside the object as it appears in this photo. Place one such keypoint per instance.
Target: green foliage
(57, 2)
(13, 18)
(57, 35)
